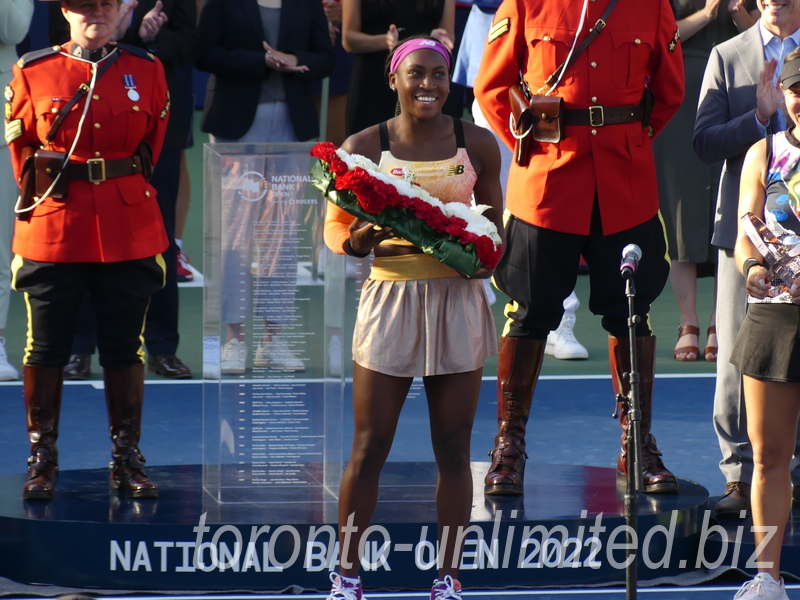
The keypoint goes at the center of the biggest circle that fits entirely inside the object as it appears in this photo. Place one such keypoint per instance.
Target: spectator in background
(15, 19)
(339, 79)
(740, 104)
(687, 188)
(185, 79)
(263, 56)
(371, 29)
(166, 28)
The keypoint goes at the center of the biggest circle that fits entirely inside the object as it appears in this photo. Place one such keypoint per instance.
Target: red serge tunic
(114, 220)
(638, 46)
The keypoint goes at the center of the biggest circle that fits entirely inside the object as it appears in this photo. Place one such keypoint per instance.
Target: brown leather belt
(97, 170)
(598, 116)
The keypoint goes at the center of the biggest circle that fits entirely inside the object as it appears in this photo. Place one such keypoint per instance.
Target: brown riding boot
(656, 477)
(124, 398)
(518, 367)
(42, 390)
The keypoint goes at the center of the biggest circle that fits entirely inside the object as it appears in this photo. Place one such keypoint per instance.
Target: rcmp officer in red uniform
(96, 112)
(590, 194)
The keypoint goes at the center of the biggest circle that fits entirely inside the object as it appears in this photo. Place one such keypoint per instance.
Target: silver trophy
(781, 252)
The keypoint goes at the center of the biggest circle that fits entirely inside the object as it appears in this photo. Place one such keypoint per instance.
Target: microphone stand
(634, 449)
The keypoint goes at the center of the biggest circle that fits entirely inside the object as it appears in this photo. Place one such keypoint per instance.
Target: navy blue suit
(230, 36)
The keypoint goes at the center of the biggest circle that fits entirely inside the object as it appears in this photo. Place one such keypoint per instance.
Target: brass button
(147, 193)
(95, 97)
(97, 154)
(546, 38)
(594, 99)
(594, 131)
(594, 64)
(136, 108)
(54, 110)
(97, 125)
(96, 182)
(637, 41)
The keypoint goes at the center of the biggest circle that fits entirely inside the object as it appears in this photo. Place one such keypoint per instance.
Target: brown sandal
(711, 350)
(682, 331)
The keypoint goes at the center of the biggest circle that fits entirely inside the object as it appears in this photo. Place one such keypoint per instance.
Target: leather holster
(27, 183)
(537, 118)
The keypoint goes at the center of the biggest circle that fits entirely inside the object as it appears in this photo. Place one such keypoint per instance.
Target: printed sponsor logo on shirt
(455, 170)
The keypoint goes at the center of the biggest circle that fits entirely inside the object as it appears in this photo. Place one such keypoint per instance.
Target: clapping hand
(392, 36)
(124, 19)
(282, 62)
(712, 9)
(769, 96)
(442, 35)
(333, 12)
(152, 22)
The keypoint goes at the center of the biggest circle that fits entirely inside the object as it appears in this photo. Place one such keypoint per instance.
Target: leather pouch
(27, 184)
(546, 111)
(48, 165)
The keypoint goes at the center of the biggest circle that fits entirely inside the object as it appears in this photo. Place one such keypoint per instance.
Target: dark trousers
(118, 292)
(540, 267)
(161, 327)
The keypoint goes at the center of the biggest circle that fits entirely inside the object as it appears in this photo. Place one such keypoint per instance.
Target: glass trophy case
(273, 355)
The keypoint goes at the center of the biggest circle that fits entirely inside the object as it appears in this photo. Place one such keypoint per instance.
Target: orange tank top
(449, 180)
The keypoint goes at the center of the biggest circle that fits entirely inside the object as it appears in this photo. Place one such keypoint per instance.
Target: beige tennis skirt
(422, 327)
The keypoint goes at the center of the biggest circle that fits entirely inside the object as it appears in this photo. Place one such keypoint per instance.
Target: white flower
(476, 222)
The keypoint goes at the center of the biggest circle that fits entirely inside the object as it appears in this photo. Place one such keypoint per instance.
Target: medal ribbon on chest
(130, 85)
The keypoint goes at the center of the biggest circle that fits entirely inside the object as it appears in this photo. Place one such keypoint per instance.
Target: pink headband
(413, 45)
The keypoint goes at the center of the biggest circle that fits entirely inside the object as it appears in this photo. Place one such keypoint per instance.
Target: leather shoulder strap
(83, 89)
(593, 33)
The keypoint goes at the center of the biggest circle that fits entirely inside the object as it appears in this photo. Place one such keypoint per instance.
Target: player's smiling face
(422, 81)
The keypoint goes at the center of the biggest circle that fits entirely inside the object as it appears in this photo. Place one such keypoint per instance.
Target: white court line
(98, 384)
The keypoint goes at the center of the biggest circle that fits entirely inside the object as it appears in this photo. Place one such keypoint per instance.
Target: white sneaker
(234, 357)
(277, 355)
(562, 344)
(7, 371)
(345, 588)
(335, 356)
(762, 587)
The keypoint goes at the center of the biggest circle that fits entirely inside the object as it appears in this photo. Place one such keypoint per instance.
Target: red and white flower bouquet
(454, 233)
